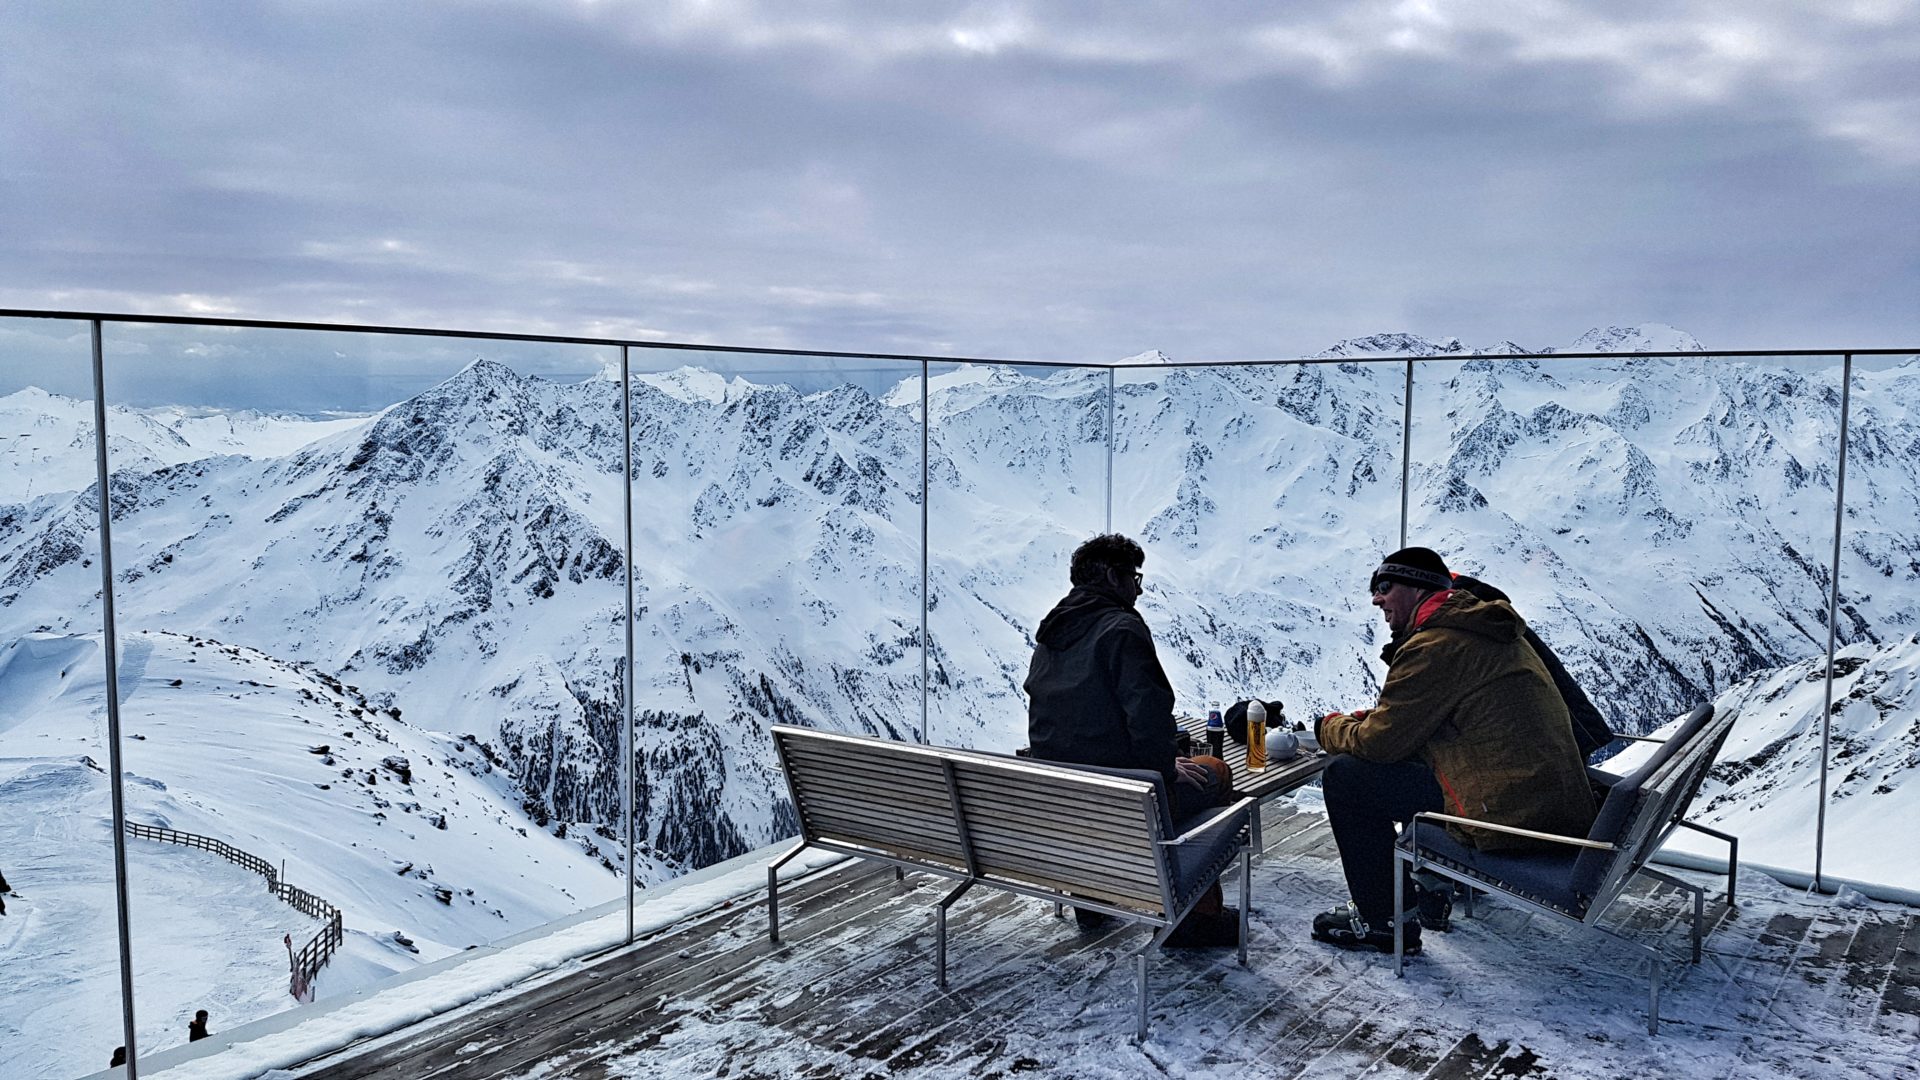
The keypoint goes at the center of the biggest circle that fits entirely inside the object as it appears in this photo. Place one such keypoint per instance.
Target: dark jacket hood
(1077, 614)
(1492, 619)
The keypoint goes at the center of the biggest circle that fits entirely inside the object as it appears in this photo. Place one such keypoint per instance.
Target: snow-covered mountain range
(47, 445)
(455, 562)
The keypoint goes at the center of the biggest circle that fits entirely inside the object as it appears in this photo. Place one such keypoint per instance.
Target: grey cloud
(1055, 182)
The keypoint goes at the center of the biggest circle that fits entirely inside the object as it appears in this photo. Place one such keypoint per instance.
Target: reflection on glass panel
(1876, 713)
(777, 532)
(1264, 496)
(369, 594)
(1665, 525)
(1019, 467)
(60, 997)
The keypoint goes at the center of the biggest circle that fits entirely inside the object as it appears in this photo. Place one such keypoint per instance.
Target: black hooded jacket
(1096, 694)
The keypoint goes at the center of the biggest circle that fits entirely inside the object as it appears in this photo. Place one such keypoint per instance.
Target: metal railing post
(1110, 441)
(1833, 620)
(109, 630)
(1406, 449)
(626, 502)
(926, 443)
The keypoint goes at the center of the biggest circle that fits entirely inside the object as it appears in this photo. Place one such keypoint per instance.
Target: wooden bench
(1579, 881)
(1098, 839)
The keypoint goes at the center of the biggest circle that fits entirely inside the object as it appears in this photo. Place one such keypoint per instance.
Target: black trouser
(1364, 800)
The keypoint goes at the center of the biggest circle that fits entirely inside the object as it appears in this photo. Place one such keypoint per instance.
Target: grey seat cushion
(1543, 876)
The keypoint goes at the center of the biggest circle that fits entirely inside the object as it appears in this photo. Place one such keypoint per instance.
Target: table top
(1279, 778)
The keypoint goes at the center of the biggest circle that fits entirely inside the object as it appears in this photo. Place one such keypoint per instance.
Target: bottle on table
(1256, 736)
(1216, 731)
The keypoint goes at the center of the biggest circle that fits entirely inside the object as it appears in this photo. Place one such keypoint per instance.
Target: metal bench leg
(1733, 855)
(1699, 909)
(773, 891)
(1140, 985)
(1699, 903)
(1399, 924)
(1653, 995)
(940, 933)
(1140, 977)
(1246, 898)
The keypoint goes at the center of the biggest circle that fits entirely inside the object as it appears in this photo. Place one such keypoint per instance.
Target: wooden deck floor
(1792, 985)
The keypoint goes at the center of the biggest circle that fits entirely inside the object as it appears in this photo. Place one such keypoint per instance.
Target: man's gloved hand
(1357, 714)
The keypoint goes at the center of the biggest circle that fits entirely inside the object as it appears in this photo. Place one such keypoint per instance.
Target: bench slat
(876, 794)
(1132, 881)
(1058, 788)
(1104, 834)
(885, 830)
(1003, 835)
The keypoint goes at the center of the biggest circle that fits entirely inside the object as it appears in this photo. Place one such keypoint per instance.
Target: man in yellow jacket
(1469, 722)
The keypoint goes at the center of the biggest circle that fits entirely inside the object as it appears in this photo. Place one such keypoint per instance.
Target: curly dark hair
(1091, 559)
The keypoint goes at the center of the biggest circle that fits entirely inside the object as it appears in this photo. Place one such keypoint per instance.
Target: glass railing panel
(60, 996)
(1265, 496)
(1876, 696)
(1664, 525)
(777, 521)
(1019, 466)
(371, 628)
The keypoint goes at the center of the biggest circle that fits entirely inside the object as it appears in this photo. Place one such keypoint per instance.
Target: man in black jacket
(1097, 696)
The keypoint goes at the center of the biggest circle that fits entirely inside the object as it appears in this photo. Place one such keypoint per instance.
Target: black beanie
(1422, 568)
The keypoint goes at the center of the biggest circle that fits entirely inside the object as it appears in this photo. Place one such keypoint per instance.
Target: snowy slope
(1765, 788)
(404, 830)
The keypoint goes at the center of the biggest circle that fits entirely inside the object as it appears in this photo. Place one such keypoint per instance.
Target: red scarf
(1427, 609)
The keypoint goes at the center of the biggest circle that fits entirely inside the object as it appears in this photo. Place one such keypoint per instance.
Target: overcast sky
(1054, 181)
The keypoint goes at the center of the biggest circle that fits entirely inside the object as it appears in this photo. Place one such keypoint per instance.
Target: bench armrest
(1237, 807)
(1578, 841)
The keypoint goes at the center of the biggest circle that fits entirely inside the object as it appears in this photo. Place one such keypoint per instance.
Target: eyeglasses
(1381, 587)
(1138, 578)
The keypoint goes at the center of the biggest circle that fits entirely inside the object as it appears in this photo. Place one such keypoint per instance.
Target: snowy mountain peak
(1645, 338)
(1151, 356)
(698, 386)
(1398, 344)
(1505, 348)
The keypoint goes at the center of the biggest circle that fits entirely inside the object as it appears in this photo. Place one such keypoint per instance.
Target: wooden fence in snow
(304, 963)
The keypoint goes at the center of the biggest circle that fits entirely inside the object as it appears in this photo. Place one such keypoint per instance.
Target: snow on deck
(1792, 984)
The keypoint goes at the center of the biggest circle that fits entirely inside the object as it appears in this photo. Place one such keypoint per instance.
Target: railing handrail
(311, 957)
(832, 354)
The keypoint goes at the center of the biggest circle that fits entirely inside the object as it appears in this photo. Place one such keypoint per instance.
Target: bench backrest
(1030, 825)
(1642, 806)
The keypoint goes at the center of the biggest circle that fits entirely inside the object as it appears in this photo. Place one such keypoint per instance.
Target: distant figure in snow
(4, 890)
(198, 1029)
(119, 1057)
